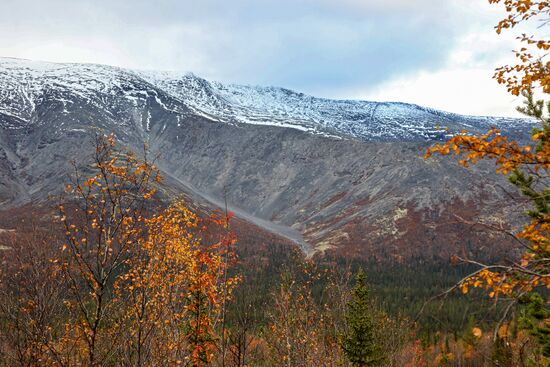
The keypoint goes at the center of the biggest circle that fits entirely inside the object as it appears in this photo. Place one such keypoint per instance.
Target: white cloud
(469, 91)
(387, 6)
(377, 49)
(464, 84)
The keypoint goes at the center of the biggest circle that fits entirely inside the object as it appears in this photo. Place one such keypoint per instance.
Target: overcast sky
(437, 53)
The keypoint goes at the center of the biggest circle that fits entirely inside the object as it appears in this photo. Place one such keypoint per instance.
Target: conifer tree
(360, 343)
(535, 320)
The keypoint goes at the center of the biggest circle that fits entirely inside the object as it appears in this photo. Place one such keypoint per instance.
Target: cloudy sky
(437, 53)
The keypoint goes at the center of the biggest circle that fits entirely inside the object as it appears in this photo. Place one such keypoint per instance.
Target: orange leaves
(493, 281)
(157, 284)
(532, 69)
(526, 166)
(507, 155)
(477, 332)
(180, 277)
(520, 10)
(103, 221)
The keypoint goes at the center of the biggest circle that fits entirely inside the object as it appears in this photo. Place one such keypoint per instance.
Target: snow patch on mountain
(24, 84)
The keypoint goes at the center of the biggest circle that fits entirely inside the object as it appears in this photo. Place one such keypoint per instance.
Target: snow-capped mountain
(283, 107)
(345, 175)
(24, 84)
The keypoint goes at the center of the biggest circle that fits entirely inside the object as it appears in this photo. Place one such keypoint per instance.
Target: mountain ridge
(233, 103)
(358, 185)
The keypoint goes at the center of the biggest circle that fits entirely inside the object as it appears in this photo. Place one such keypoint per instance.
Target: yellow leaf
(477, 332)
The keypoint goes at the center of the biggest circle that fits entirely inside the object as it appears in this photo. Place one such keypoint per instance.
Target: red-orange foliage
(130, 286)
(527, 166)
(177, 288)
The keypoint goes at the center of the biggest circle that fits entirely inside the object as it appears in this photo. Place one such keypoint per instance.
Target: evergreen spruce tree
(534, 320)
(360, 343)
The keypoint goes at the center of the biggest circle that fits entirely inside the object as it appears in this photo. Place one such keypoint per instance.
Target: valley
(344, 176)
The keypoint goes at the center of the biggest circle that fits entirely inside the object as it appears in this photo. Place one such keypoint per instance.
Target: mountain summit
(25, 83)
(327, 174)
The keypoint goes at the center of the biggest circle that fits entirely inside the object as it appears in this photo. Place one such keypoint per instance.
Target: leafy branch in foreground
(526, 167)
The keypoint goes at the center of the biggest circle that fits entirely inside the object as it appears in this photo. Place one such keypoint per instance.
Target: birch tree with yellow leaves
(103, 220)
(144, 286)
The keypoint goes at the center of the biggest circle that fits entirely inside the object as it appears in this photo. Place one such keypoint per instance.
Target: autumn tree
(155, 282)
(525, 165)
(176, 289)
(31, 297)
(293, 331)
(244, 347)
(302, 330)
(125, 283)
(103, 220)
(532, 68)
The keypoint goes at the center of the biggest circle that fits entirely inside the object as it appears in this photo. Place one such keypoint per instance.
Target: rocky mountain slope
(342, 175)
